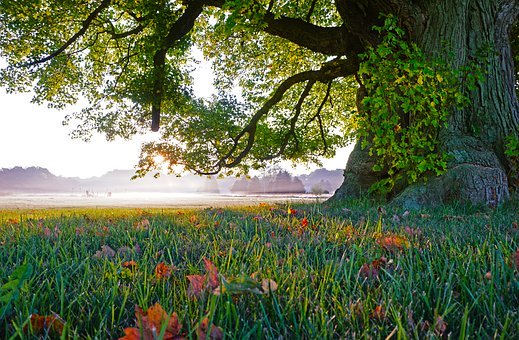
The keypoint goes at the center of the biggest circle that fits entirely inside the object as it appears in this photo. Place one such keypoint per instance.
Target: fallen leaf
(372, 270)
(212, 273)
(304, 222)
(269, 285)
(379, 313)
(150, 323)
(204, 331)
(440, 326)
(130, 265)
(488, 276)
(515, 260)
(393, 242)
(196, 285)
(162, 271)
(41, 324)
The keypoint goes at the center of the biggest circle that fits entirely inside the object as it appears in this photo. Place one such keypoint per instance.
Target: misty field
(264, 271)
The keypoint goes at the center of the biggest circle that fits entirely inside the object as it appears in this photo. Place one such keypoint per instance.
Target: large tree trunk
(474, 138)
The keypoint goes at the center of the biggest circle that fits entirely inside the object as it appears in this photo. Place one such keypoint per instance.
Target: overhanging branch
(86, 24)
(333, 69)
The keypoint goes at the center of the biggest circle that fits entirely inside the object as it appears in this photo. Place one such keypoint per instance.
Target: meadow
(349, 270)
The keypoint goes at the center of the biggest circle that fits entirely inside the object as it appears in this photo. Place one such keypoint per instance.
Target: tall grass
(351, 271)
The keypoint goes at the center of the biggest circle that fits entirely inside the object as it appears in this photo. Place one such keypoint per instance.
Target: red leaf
(196, 285)
(515, 259)
(304, 222)
(41, 324)
(212, 274)
(371, 270)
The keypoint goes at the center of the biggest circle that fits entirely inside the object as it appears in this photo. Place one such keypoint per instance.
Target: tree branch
(293, 121)
(319, 118)
(325, 40)
(329, 71)
(84, 28)
(179, 29)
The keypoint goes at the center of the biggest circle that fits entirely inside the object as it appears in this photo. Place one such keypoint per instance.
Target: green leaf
(9, 291)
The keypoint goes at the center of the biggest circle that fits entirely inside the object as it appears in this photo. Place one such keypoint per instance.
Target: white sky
(32, 135)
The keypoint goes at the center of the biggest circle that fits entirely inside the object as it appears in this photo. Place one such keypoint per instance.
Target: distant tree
(240, 185)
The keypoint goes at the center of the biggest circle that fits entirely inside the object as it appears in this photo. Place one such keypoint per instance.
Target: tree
(299, 65)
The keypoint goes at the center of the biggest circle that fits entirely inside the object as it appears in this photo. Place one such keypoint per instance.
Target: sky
(32, 135)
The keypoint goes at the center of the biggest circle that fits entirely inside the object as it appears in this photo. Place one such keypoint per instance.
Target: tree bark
(474, 137)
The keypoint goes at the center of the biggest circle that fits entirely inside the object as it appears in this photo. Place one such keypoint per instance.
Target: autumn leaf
(269, 285)
(130, 265)
(379, 313)
(204, 331)
(440, 326)
(304, 222)
(163, 271)
(196, 285)
(44, 324)
(372, 270)
(200, 283)
(291, 211)
(393, 242)
(212, 273)
(149, 324)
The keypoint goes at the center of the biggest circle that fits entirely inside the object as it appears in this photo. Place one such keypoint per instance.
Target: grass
(351, 271)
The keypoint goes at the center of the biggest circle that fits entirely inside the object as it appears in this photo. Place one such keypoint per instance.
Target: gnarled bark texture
(474, 137)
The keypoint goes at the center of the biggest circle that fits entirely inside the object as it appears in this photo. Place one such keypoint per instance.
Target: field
(266, 271)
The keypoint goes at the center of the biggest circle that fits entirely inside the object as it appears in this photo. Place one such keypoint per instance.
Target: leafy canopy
(132, 61)
(293, 62)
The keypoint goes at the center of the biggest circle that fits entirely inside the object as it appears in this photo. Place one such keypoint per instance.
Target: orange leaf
(130, 265)
(149, 324)
(203, 330)
(393, 242)
(131, 333)
(304, 222)
(379, 313)
(162, 271)
(41, 324)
